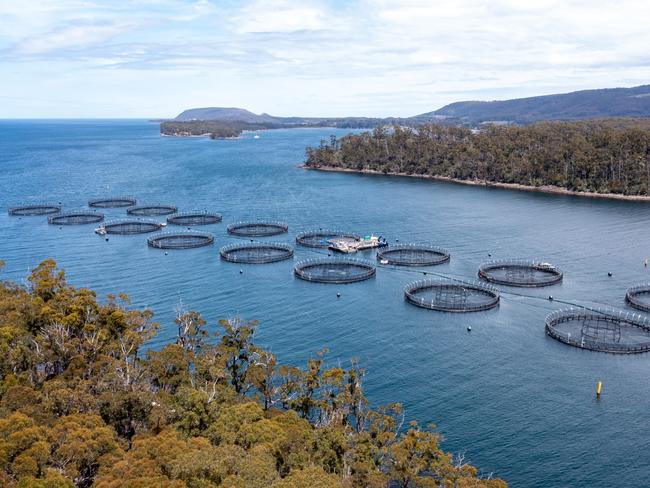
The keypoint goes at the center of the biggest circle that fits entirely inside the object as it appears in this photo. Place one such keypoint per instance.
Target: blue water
(519, 404)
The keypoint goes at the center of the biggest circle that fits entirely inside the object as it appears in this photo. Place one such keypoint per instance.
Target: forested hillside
(584, 104)
(82, 403)
(604, 156)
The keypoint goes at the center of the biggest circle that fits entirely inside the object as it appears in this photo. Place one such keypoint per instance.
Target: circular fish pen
(604, 330)
(194, 218)
(151, 210)
(76, 218)
(321, 238)
(180, 240)
(638, 296)
(129, 227)
(112, 202)
(260, 253)
(35, 209)
(448, 296)
(413, 255)
(261, 228)
(334, 270)
(520, 272)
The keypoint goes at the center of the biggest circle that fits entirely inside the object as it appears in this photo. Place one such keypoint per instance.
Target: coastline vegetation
(599, 156)
(227, 129)
(84, 403)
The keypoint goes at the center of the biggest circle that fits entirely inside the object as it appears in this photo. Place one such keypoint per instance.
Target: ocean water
(517, 403)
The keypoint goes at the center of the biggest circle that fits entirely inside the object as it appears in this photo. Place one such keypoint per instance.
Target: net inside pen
(35, 209)
(520, 273)
(129, 227)
(256, 253)
(181, 240)
(152, 210)
(413, 255)
(257, 229)
(112, 202)
(451, 296)
(194, 218)
(614, 332)
(76, 218)
(334, 270)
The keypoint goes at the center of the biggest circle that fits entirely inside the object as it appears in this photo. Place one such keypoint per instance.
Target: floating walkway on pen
(322, 238)
(334, 270)
(520, 272)
(260, 228)
(451, 296)
(194, 218)
(180, 240)
(603, 329)
(151, 210)
(129, 227)
(76, 218)
(256, 253)
(412, 255)
(112, 202)
(35, 209)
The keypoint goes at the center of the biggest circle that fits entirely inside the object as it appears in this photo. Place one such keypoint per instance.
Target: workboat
(349, 245)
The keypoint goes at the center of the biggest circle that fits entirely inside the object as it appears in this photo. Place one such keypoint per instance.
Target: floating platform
(346, 245)
(321, 238)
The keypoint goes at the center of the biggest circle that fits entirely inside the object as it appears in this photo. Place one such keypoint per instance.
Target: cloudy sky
(154, 58)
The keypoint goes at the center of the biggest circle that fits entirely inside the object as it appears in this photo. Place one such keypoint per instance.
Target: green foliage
(602, 156)
(80, 406)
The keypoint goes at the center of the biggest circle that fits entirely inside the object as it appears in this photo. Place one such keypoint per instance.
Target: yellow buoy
(599, 388)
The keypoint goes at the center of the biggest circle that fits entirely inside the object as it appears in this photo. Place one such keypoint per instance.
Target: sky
(155, 58)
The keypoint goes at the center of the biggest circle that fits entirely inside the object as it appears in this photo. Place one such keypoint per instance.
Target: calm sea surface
(519, 404)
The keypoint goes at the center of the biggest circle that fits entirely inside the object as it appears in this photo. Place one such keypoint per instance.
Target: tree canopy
(82, 403)
(603, 156)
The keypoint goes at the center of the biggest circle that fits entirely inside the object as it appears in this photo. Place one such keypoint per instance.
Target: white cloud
(321, 57)
(76, 37)
(282, 16)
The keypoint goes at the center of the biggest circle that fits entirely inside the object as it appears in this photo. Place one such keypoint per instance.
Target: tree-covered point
(604, 156)
(82, 404)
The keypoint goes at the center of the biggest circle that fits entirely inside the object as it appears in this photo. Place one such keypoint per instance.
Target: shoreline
(549, 189)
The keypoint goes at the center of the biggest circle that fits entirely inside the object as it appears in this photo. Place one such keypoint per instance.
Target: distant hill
(585, 104)
(230, 114)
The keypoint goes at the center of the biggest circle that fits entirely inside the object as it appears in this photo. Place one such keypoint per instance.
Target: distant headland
(230, 122)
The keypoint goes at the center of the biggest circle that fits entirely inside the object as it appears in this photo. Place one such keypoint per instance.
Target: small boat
(101, 230)
(256, 136)
(347, 245)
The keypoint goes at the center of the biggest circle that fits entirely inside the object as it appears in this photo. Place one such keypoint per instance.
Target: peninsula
(602, 158)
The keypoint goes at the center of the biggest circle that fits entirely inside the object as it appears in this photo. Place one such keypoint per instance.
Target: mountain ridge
(577, 105)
